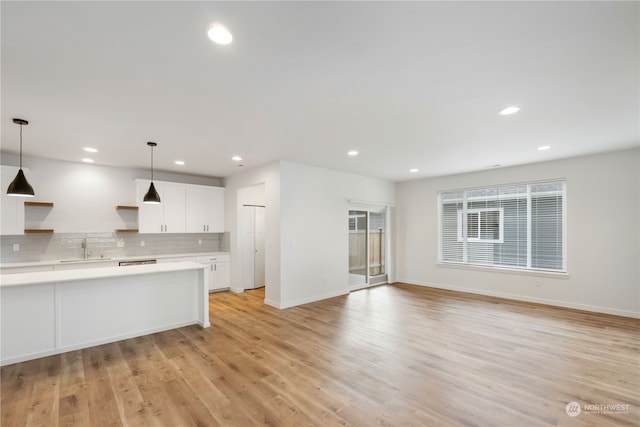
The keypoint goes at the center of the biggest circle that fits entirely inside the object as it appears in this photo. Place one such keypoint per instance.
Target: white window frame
(563, 271)
(462, 225)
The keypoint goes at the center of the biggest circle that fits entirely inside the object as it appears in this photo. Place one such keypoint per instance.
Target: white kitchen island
(52, 312)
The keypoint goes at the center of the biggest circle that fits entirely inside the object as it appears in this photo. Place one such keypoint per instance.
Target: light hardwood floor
(394, 355)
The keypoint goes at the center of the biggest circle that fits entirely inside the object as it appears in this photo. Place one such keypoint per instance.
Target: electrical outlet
(16, 247)
(199, 241)
(120, 243)
(142, 243)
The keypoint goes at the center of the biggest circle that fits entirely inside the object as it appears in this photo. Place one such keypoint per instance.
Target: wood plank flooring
(393, 355)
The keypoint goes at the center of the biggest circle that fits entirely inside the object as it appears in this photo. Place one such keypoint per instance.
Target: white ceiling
(408, 85)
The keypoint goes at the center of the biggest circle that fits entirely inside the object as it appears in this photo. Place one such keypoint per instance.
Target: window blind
(514, 226)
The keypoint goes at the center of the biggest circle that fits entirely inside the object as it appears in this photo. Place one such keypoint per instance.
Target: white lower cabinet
(219, 271)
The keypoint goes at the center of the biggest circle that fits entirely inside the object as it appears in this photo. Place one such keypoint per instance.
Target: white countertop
(94, 273)
(116, 259)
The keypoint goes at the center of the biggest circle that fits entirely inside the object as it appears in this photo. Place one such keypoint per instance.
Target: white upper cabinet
(166, 217)
(205, 209)
(12, 220)
(173, 197)
(184, 208)
(215, 209)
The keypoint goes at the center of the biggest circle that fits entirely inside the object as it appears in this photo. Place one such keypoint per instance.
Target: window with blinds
(519, 226)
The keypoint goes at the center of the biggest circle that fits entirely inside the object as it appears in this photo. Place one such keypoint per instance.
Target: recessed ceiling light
(90, 150)
(414, 170)
(509, 110)
(236, 158)
(88, 160)
(219, 34)
(352, 153)
(179, 162)
(544, 147)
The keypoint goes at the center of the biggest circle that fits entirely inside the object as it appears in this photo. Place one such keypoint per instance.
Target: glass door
(377, 247)
(358, 240)
(367, 247)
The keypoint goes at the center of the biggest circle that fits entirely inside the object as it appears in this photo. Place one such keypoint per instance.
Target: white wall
(85, 195)
(314, 229)
(603, 241)
(269, 176)
(306, 219)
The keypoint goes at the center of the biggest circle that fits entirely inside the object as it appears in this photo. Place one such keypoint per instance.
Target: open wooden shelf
(127, 230)
(37, 230)
(127, 208)
(41, 204)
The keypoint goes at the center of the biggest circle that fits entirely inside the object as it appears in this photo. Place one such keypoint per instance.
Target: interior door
(259, 247)
(247, 215)
(253, 247)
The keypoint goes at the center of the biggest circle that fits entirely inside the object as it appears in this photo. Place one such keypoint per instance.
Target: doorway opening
(251, 237)
(367, 247)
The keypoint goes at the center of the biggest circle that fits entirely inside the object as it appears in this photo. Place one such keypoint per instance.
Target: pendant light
(152, 196)
(20, 186)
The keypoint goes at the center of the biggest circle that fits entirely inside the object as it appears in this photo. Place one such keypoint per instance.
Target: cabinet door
(222, 274)
(212, 277)
(173, 204)
(196, 212)
(215, 209)
(12, 220)
(150, 217)
(12, 215)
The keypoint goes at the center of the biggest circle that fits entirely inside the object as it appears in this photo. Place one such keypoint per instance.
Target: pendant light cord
(151, 163)
(20, 146)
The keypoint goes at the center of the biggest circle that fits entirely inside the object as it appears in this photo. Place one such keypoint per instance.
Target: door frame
(375, 208)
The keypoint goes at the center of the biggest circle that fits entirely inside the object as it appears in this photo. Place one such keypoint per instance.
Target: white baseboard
(288, 304)
(272, 303)
(565, 304)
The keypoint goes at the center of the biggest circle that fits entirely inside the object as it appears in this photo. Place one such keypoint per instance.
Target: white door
(259, 247)
(248, 246)
(252, 221)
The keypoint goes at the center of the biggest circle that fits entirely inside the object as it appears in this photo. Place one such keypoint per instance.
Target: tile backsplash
(59, 246)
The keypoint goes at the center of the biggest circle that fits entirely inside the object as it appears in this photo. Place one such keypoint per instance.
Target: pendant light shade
(20, 186)
(152, 196)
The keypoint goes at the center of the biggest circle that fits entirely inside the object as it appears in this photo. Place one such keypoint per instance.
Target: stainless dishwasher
(137, 262)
